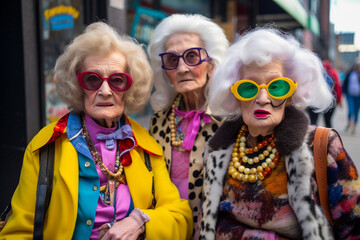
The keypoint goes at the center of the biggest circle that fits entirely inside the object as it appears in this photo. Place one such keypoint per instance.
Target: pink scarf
(194, 125)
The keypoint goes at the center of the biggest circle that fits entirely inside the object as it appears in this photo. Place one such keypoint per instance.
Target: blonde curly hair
(100, 38)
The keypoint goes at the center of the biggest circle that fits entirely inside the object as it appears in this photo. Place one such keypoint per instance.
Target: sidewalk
(351, 141)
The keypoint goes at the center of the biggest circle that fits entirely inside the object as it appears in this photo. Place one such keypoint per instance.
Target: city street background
(351, 141)
(38, 31)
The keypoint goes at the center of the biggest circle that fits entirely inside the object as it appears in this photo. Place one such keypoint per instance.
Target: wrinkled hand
(128, 228)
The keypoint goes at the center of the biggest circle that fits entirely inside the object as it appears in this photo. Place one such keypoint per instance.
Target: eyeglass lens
(279, 88)
(247, 90)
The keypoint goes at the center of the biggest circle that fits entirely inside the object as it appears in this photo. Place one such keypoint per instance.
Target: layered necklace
(114, 178)
(250, 169)
(176, 139)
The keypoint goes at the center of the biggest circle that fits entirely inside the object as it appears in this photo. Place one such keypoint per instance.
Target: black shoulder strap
(5, 212)
(148, 165)
(147, 161)
(44, 188)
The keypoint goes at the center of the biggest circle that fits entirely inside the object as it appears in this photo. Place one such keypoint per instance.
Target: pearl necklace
(270, 157)
(118, 173)
(174, 141)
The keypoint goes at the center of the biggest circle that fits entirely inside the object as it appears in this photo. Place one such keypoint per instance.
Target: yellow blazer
(171, 218)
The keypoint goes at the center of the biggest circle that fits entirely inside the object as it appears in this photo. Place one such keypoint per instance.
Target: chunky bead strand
(174, 142)
(268, 159)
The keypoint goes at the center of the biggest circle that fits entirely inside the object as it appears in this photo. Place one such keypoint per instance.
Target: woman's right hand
(130, 227)
(127, 228)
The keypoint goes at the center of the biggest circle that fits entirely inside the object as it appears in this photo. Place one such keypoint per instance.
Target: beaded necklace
(118, 173)
(254, 168)
(176, 140)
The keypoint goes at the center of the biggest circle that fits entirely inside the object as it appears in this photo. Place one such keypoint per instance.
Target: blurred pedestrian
(333, 81)
(351, 88)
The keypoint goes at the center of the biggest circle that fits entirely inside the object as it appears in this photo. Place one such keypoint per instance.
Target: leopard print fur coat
(160, 130)
(292, 136)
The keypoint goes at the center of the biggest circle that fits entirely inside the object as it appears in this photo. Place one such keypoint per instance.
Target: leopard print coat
(294, 138)
(160, 130)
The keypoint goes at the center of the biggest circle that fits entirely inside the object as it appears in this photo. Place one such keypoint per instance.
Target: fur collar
(290, 133)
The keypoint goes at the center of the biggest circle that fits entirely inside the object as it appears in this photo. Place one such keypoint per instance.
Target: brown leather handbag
(320, 159)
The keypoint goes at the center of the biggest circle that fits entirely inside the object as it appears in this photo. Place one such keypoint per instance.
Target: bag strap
(44, 188)
(148, 165)
(4, 216)
(320, 159)
(5, 212)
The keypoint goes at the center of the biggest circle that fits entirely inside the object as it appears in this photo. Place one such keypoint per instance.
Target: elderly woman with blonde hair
(259, 173)
(102, 187)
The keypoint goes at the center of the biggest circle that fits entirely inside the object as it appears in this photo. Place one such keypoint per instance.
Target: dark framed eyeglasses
(92, 81)
(191, 57)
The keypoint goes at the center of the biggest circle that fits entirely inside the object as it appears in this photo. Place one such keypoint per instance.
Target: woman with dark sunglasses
(184, 51)
(110, 178)
(260, 181)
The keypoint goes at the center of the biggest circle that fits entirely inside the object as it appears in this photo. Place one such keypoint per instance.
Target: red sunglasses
(92, 81)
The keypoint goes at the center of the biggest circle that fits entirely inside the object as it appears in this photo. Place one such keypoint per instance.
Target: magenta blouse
(124, 205)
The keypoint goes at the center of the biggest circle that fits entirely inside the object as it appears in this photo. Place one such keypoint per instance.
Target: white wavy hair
(213, 37)
(262, 46)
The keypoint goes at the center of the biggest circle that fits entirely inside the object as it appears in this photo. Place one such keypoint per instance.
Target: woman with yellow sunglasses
(259, 169)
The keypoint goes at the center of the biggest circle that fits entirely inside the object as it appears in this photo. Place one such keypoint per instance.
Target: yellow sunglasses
(278, 88)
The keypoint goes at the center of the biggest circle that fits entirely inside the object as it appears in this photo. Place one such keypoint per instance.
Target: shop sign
(61, 17)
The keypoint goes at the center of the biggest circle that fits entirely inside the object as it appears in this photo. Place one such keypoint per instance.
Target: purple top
(104, 212)
(179, 171)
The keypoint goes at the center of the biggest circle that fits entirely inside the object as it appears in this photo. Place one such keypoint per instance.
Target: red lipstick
(259, 113)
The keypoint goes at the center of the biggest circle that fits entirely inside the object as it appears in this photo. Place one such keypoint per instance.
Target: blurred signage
(62, 20)
(145, 22)
(61, 17)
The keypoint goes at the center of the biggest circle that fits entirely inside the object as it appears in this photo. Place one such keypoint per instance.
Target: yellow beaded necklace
(270, 157)
(174, 141)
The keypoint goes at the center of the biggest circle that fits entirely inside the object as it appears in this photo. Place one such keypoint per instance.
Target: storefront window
(188, 6)
(145, 22)
(62, 21)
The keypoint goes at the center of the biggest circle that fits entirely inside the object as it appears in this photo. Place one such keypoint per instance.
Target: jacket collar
(143, 139)
(44, 136)
(73, 131)
(289, 134)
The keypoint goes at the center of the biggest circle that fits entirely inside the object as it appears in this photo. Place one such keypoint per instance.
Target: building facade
(348, 54)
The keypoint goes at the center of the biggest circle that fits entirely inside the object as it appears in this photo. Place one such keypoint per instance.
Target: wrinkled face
(263, 113)
(104, 105)
(186, 78)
